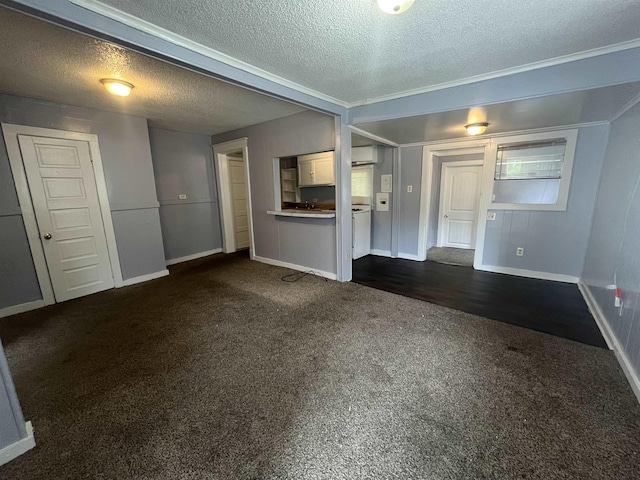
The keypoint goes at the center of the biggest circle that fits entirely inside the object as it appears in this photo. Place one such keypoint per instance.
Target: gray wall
(126, 157)
(410, 174)
(381, 221)
(613, 245)
(554, 242)
(183, 164)
(307, 242)
(12, 428)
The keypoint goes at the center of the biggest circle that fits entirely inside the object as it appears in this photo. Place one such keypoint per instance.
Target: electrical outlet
(520, 251)
(182, 196)
(491, 215)
(409, 188)
(347, 255)
(315, 200)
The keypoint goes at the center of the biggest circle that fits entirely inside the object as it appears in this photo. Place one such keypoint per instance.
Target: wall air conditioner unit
(364, 155)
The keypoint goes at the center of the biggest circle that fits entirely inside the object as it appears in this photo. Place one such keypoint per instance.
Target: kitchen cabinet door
(323, 173)
(305, 173)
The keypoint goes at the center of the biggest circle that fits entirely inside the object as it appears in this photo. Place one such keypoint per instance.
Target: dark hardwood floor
(550, 307)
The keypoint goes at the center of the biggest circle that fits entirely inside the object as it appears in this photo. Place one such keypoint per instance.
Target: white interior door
(459, 203)
(65, 200)
(239, 200)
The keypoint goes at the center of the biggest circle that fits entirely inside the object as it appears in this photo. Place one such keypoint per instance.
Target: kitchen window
(362, 184)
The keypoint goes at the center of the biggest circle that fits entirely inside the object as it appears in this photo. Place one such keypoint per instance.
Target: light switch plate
(385, 183)
(409, 188)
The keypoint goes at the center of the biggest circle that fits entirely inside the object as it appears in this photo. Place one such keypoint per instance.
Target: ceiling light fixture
(394, 7)
(476, 128)
(117, 87)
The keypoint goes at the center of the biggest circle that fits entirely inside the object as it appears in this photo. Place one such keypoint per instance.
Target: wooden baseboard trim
(23, 307)
(173, 261)
(21, 446)
(610, 337)
(145, 278)
(518, 272)
(292, 266)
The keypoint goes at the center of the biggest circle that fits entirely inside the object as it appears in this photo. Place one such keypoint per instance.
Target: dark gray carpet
(223, 371)
(451, 256)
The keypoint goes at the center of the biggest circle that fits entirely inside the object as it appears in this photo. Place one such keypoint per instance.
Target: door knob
(47, 236)
(446, 216)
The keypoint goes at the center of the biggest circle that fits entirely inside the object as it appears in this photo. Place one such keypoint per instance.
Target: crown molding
(573, 57)
(108, 11)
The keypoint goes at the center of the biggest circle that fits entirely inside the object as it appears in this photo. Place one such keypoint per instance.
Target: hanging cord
(294, 277)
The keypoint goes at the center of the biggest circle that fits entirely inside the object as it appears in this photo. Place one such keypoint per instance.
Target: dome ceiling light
(476, 128)
(395, 7)
(117, 87)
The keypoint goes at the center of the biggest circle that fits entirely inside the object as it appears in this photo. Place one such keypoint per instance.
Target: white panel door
(459, 203)
(238, 180)
(65, 200)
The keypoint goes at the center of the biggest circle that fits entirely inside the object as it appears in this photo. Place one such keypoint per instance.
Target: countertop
(300, 212)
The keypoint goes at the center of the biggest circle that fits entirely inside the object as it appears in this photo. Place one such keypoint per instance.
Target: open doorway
(453, 179)
(235, 195)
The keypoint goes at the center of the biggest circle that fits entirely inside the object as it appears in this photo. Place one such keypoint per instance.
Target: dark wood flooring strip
(542, 305)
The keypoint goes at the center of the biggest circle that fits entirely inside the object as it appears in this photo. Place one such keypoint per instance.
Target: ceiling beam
(600, 71)
(74, 17)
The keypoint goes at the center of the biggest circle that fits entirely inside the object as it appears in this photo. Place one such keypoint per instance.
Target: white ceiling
(353, 52)
(50, 63)
(587, 106)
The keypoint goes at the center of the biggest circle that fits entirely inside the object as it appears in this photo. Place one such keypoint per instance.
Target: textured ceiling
(587, 106)
(352, 51)
(46, 62)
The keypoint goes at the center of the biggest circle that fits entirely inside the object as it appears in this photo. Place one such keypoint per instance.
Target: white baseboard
(292, 266)
(173, 261)
(519, 272)
(380, 253)
(23, 307)
(21, 446)
(145, 278)
(410, 256)
(611, 339)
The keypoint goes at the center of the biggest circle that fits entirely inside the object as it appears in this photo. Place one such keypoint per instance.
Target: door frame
(429, 153)
(220, 151)
(461, 163)
(10, 133)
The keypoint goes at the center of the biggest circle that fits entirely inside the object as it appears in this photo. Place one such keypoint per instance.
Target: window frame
(371, 173)
(571, 137)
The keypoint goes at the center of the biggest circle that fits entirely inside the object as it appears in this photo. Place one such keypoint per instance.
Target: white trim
(409, 256)
(186, 258)
(598, 314)
(293, 266)
(520, 272)
(10, 133)
(159, 32)
(565, 182)
(443, 150)
(507, 134)
(21, 308)
(372, 136)
(220, 151)
(445, 166)
(573, 57)
(145, 278)
(610, 337)
(380, 253)
(18, 448)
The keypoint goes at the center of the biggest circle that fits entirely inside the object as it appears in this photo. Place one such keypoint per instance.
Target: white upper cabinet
(316, 169)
